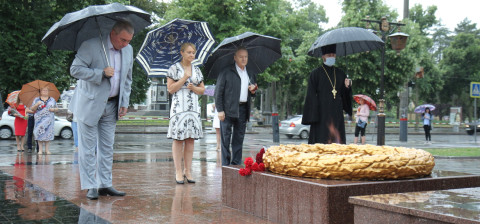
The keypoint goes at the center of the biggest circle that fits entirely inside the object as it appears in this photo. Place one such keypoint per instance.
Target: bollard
(403, 129)
(276, 131)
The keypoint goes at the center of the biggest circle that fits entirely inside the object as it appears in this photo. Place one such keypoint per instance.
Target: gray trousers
(95, 149)
(238, 125)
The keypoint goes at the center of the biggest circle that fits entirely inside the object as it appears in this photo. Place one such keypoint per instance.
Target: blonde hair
(187, 44)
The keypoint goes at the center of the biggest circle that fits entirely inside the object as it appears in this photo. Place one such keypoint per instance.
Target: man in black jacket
(233, 92)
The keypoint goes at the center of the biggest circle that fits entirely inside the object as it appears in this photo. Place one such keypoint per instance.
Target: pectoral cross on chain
(334, 92)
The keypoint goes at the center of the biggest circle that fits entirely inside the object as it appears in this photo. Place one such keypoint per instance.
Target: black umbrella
(262, 52)
(348, 40)
(93, 21)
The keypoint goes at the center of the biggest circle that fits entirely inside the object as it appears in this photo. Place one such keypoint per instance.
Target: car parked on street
(62, 128)
(469, 128)
(294, 127)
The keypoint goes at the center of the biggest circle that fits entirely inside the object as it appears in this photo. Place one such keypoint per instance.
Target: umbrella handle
(103, 44)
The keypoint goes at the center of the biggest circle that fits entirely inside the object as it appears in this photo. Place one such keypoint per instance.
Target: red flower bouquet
(253, 166)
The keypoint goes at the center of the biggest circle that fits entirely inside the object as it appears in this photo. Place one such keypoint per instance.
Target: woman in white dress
(216, 125)
(185, 83)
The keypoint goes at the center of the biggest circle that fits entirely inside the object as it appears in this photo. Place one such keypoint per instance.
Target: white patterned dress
(185, 119)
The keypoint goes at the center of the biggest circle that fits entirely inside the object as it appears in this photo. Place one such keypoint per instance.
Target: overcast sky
(449, 12)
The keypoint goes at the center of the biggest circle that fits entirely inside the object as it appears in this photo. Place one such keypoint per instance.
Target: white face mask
(330, 61)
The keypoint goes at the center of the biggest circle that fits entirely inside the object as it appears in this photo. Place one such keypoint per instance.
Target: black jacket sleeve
(220, 92)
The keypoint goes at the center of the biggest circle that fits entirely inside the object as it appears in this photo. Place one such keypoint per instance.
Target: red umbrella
(371, 104)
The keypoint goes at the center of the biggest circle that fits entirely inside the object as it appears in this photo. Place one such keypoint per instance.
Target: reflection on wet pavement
(46, 188)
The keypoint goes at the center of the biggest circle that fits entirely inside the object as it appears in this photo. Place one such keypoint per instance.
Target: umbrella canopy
(12, 98)
(348, 40)
(262, 52)
(31, 90)
(421, 109)
(161, 47)
(76, 27)
(371, 104)
(209, 90)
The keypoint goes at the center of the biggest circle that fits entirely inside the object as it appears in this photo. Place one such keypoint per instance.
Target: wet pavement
(46, 188)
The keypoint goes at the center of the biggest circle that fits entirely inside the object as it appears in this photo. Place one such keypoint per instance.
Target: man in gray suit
(233, 92)
(102, 96)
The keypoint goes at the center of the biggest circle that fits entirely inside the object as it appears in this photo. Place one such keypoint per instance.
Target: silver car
(61, 128)
(294, 127)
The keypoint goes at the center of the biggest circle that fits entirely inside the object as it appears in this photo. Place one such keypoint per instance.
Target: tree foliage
(460, 67)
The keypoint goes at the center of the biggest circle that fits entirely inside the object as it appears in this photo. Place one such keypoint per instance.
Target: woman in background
(362, 115)
(216, 125)
(21, 122)
(427, 125)
(44, 107)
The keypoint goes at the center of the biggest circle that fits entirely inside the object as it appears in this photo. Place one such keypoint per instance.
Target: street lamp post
(398, 43)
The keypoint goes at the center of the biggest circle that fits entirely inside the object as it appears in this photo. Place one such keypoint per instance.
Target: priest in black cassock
(329, 94)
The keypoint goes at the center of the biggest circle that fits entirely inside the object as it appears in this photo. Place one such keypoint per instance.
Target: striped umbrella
(371, 104)
(12, 98)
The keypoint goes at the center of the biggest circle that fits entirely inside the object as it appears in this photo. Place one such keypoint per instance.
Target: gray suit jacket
(92, 91)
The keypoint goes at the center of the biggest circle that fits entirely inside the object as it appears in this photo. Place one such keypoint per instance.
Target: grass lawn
(454, 151)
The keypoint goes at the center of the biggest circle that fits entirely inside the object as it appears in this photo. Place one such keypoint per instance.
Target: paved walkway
(45, 188)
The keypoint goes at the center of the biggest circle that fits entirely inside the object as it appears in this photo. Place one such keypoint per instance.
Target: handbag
(361, 123)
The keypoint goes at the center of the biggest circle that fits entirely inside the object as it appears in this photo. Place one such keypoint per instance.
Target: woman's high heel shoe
(188, 180)
(179, 181)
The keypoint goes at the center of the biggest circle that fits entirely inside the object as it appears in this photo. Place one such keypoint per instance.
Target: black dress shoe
(92, 194)
(110, 191)
(29, 151)
(188, 180)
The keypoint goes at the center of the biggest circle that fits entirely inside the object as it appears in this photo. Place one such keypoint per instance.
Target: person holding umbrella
(234, 89)
(101, 97)
(363, 111)
(44, 108)
(185, 83)
(328, 95)
(427, 125)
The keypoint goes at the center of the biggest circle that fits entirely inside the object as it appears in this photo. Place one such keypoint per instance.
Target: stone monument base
(443, 206)
(288, 199)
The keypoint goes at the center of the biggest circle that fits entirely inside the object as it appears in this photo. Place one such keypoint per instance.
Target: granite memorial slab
(443, 206)
(287, 199)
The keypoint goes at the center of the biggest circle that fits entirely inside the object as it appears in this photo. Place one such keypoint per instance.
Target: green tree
(424, 18)
(441, 38)
(460, 67)
(23, 57)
